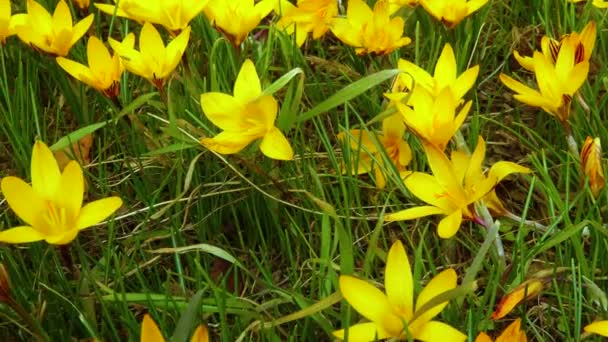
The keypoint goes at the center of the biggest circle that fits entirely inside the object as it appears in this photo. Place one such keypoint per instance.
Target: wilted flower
(235, 19)
(247, 116)
(454, 187)
(591, 161)
(392, 314)
(174, 15)
(583, 42)
(557, 82)
(151, 333)
(7, 22)
(52, 34)
(104, 70)
(82, 4)
(526, 290)
(451, 12)
(445, 76)
(391, 140)
(598, 327)
(434, 120)
(512, 333)
(310, 16)
(52, 206)
(370, 32)
(153, 61)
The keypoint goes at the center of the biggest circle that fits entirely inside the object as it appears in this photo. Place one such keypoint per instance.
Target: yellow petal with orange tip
(526, 290)
(150, 331)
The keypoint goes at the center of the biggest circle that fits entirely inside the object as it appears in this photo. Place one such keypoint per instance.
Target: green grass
(263, 242)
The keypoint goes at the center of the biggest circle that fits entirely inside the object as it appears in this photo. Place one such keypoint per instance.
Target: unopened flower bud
(591, 162)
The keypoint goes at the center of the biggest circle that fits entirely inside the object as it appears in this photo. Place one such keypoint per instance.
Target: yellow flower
(391, 139)
(235, 19)
(370, 32)
(247, 116)
(445, 76)
(151, 333)
(591, 161)
(583, 42)
(153, 61)
(174, 15)
(557, 82)
(82, 4)
(7, 22)
(512, 333)
(309, 16)
(451, 12)
(454, 187)
(598, 327)
(54, 34)
(526, 290)
(395, 5)
(391, 313)
(52, 206)
(434, 120)
(104, 71)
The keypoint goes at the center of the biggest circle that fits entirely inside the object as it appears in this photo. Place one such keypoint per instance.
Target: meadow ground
(254, 247)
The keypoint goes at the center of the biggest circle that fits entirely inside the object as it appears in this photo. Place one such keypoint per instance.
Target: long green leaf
(78, 134)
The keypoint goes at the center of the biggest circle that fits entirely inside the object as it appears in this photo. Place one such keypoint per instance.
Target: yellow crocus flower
(247, 116)
(235, 19)
(310, 16)
(451, 12)
(54, 34)
(151, 333)
(104, 70)
(153, 61)
(174, 15)
(391, 314)
(434, 120)
(584, 43)
(444, 76)
(591, 161)
(512, 333)
(557, 82)
(391, 139)
(370, 32)
(52, 206)
(7, 22)
(454, 187)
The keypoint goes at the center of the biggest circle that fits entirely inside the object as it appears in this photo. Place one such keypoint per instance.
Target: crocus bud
(525, 290)
(591, 161)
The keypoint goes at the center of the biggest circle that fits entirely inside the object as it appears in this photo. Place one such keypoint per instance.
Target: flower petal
(71, 190)
(97, 211)
(247, 86)
(441, 283)
(175, 51)
(201, 334)
(45, 171)
(150, 331)
(413, 213)
(427, 188)
(224, 111)
(81, 28)
(398, 280)
(599, 327)
(276, 146)
(228, 142)
(362, 332)
(445, 69)
(369, 301)
(449, 225)
(21, 234)
(438, 331)
(78, 71)
(24, 201)
(62, 238)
